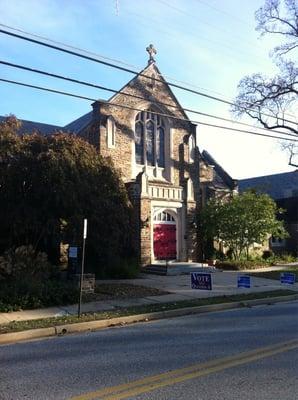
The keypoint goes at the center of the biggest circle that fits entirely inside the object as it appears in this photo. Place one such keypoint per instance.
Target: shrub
(118, 268)
(240, 265)
(25, 294)
(123, 269)
(267, 254)
(24, 263)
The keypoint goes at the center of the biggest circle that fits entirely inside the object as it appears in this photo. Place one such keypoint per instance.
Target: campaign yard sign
(288, 278)
(201, 281)
(243, 281)
(73, 252)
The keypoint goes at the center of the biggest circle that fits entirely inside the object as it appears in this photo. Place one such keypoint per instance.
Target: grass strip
(274, 274)
(17, 326)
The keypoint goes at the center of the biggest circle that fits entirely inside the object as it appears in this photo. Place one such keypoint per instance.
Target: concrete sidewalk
(223, 283)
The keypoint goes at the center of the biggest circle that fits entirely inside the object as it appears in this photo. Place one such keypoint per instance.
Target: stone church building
(149, 137)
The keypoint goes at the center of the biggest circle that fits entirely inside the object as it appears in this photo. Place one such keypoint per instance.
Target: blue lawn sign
(288, 278)
(73, 252)
(201, 281)
(243, 281)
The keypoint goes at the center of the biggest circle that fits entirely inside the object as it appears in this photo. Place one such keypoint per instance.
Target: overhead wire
(71, 52)
(155, 102)
(140, 109)
(137, 68)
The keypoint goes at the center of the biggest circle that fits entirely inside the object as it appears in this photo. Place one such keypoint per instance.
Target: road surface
(249, 353)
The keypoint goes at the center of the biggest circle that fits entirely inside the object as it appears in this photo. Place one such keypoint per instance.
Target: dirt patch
(110, 291)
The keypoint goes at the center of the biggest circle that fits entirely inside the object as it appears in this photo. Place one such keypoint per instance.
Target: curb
(14, 337)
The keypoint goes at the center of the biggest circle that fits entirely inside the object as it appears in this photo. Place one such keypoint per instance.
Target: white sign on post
(85, 229)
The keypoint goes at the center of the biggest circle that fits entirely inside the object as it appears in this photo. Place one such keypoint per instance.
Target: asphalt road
(249, 354)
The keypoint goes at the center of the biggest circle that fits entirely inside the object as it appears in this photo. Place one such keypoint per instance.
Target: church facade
(146, 133)
(149, 137)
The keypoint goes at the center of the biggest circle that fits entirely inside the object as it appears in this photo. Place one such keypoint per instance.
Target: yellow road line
(180, 375)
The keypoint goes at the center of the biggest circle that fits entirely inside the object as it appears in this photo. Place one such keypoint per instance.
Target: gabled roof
(222, 177)
(145, 71)
(32, 126)
(278, 186)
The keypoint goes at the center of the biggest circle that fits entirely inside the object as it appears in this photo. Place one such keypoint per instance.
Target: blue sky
(210, 44)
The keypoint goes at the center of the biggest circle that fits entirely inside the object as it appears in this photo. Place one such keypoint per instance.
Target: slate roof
(222, 178)
(77, 125)
(278, 186)
(31, 127)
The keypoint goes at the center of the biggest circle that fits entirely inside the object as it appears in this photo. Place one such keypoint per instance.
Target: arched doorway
(164, 236)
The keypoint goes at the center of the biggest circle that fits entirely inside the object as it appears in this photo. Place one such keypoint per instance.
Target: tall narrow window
(160, 147)
(139, 143)
(150, 139)
(192, 147)
(150, 142)
(111, 132)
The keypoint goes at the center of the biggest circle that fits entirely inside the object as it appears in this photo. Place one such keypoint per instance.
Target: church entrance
(164, 237)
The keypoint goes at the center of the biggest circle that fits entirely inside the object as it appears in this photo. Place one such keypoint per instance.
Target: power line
(139, 109)
(128, 70)
(89, 84)
(137, 68)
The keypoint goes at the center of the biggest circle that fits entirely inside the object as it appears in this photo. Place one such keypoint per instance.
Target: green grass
(17, 326)
(275, 274)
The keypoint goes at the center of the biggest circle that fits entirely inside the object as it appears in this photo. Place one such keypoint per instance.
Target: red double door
(164, 241)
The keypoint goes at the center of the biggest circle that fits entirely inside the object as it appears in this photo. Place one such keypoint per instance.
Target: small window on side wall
(192, 149)
(111, 132)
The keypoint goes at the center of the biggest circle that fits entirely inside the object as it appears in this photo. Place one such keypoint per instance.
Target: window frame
(158, 130)
(111, 132)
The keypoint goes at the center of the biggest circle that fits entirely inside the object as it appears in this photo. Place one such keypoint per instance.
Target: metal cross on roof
(151, 51)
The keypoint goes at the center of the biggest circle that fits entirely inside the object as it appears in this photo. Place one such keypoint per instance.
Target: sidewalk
(223, 283)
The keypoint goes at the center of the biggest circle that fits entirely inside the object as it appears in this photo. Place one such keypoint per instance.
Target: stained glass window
(139, 143)
(160, 147)
(150, 133)
(150, 142)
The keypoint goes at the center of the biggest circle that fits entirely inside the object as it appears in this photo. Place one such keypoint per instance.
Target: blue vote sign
(243, 281)
(287, 277)
(201, 281)
(73, 252)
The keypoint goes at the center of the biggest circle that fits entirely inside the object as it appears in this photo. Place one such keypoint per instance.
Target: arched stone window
(149, 139)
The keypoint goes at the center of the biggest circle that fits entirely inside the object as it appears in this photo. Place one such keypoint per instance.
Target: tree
(273, 101)
(245, 219)
(49, 184)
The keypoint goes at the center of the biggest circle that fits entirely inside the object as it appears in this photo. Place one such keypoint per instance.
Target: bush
(25, 294)
(125, 268)
(267, 254)
(283, 258)
(240, 265)
(24, 263)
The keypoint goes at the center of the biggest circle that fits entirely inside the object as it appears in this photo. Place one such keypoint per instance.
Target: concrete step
(177, 268)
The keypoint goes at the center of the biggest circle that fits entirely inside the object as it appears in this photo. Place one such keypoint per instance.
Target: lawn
(275, 274)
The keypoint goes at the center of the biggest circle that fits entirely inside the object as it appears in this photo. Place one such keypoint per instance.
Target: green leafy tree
(245, 219)
(49, 184)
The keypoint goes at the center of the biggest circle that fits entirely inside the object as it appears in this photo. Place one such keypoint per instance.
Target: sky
(209, 45)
